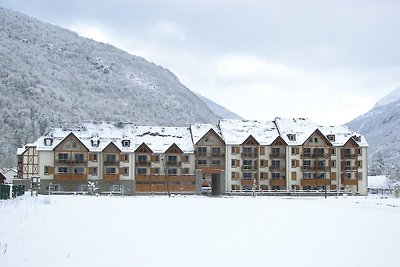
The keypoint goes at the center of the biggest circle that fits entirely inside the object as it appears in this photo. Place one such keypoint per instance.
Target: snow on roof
(235, 132)
(342, 134)
(199, 130)
(89, 132)
(298, 128)
(378, 182)
(159, 139)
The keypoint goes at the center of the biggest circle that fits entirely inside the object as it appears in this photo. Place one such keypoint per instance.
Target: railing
(111, 162)
(249, 167)
(277, 155)
(143, 163)
(349, 168)
(314, 155)
(349, 181)
(173, 163)
(349, 155)
(277, 168)
(249, 155)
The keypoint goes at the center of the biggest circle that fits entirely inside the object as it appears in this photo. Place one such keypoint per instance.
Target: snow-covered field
(198, 231)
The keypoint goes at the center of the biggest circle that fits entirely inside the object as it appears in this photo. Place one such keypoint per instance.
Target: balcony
(277, 155)
(59, 177)
(143, 163)
(173, 163)
(277, 168)
(349, 181)
(249, 168)
(314, 156)
(315, 182)
(110, 177)
(249, 155)
(278, 182)
(207, 169)
(349, 155)
(349, 168)
(111, 162)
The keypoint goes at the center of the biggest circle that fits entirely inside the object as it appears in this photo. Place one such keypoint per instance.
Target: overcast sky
(329, 61)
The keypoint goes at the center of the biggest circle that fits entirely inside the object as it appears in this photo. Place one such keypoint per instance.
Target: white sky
(329, 61)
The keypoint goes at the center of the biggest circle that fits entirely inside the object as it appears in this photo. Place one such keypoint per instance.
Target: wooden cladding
(262, 150)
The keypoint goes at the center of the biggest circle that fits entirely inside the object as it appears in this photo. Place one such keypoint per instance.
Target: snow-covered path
(198, 231)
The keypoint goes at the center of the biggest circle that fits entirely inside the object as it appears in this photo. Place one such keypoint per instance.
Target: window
(321, 175)
(307, 175)
(276, 164)
(79, 157)
(333, 151)
(347, 175)
(185, 171)
(185, 159)
(307, 152)
(291, 137)
(79, 170)
(307, 163)
(126, 143)
(111, 158)
(142, 171)
(111, 170)
(172, 160)
(216, 151)
(95, 142)
(247, 151)
(202, 162)
(46, 170)
(62, 170)
(247, 164)
(126, 171)
(334, 163)
(233, 175)
(320, 152)
(293, 163)
(247, 175)
(48, 141)
(360, 164)
(156, 158)
(94, 171)
(360, 151)
(156, 170)
(202, 151)
(233, 163)
(315, 140)
(276, 175)
(276, 151)
(63, 157)
(95, 157)
(142, 158)
(126, 157)
(262, 163)
(172, 171)
(348, 163)
(331, 137)
(216, 162)
(293, 151)
(263, 176)
(233, 150)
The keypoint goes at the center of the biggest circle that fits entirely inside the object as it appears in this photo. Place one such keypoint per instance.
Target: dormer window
(291, 137)
(357, 138)
(95, 142)
(48, 141)
(331, 137)
(126, 143)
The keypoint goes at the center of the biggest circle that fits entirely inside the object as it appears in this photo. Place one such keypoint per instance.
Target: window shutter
(237, 175)
(297, 163)
(294, 176)
(90, 157)
(51, 170)
(297, 150)
(121, 157)
(237, 163)
(333, 175)
(262, 150)
(90, 170)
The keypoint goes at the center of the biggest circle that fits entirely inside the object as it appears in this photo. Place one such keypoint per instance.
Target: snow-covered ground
(198, 231)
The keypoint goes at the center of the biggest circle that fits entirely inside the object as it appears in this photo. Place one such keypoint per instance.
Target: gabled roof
(342, 135)
(200, 130)
(159, 139)
(235, 132)
(300, 127)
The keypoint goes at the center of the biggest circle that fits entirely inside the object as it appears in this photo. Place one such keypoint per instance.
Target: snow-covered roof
(104, 132)
(199, 130)
(235, 132)
(298, 128)
(379, 182)
(342, 135)
(159, 139)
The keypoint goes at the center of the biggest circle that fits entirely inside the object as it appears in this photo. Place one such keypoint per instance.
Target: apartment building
(287, 154)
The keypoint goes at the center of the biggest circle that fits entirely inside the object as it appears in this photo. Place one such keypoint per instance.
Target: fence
(17, 190)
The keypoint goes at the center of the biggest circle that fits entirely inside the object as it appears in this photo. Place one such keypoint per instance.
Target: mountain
(219, 110)
(51, 77)
(381, 127)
